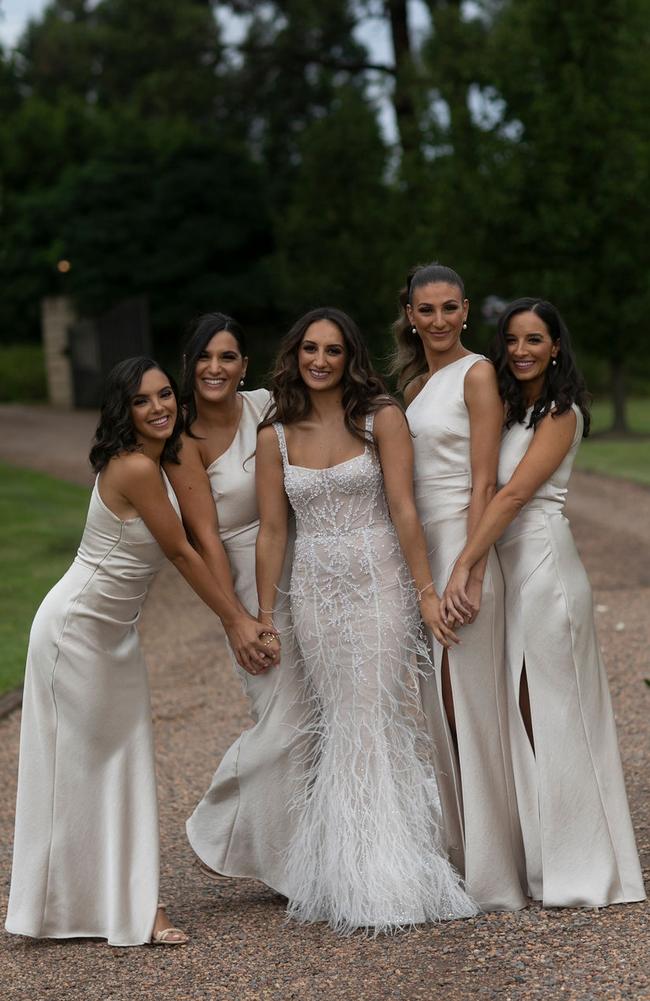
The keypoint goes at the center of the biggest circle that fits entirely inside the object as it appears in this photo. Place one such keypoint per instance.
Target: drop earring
(241, 381)
(554, 362)
(413, 330)
(464, 324)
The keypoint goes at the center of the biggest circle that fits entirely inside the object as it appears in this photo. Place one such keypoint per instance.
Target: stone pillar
(57, 316)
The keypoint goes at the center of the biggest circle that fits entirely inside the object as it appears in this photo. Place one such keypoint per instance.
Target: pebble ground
(241, 947)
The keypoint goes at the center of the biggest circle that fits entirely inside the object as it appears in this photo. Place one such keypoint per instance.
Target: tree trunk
(403, 99)
(619, 395)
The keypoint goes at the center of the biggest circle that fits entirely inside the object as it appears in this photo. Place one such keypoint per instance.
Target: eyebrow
(332, 344)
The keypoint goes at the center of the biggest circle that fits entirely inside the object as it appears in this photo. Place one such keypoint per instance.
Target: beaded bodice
(345, 498)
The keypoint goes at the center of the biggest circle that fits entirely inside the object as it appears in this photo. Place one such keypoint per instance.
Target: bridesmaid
(578, 836)
(241, 826)
(455, 414)
(86, 853)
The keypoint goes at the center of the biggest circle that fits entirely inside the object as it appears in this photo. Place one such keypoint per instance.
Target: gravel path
(241, 947)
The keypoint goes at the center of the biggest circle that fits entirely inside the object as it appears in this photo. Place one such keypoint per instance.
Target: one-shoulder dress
(479, 806)
(86, 849)
(365, 851)
(575, 818)
(243, 824)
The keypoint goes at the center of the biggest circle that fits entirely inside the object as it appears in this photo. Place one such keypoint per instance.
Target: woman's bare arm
(274, 512)
(485, 411)
(396, 456)
(138, 479)
(550, 444)
(192, 488)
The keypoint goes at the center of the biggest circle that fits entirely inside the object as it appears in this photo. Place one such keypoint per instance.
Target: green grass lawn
(42, 520)
(627, 457)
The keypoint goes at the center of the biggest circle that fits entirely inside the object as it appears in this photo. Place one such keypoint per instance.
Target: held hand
(433, 617)
(272, 648)
(457, 601)
(254, 651)
(474, 590)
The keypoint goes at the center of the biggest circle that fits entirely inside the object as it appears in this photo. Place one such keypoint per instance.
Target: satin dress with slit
(479, 806)
(578, 836)
(243, 823)
(86, 848)
(365, 850)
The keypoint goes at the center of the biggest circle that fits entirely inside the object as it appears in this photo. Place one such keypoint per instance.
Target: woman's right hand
(256, 646)
(432, 614)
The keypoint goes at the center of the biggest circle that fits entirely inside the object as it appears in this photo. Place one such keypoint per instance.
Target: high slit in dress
(574, 814)
(479, 804)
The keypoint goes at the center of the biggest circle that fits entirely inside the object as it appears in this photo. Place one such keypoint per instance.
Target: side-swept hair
(115, 432)
(563, 383)
(363, 390)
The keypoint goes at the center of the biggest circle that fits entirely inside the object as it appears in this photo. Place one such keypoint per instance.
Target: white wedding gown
(365, 849)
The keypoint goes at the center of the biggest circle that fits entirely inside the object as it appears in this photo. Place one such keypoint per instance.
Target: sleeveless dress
(242, 825)
(477, 791)
(365, 851)
(575, 819)
(86, 842)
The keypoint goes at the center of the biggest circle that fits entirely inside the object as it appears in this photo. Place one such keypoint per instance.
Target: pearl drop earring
(241, 381)
(413, 330)
(464, 324)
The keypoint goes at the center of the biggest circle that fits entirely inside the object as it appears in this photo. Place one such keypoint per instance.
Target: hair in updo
(563, 383)
(363, 390)
(115, 432)
(409, 360)
(199, 335)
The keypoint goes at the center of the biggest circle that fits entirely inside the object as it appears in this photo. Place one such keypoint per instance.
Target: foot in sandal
(164, 932)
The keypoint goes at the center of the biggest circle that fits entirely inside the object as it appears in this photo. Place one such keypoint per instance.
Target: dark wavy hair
(199, 334)
(409, 360)
(115, 432)
(363, 390)
(563, 383)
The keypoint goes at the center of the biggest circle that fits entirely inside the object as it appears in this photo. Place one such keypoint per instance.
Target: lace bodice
(348, 497)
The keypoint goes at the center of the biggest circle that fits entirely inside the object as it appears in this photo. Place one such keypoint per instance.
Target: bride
(365, 852)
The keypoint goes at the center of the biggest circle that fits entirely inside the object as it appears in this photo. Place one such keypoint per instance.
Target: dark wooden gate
(97, 344)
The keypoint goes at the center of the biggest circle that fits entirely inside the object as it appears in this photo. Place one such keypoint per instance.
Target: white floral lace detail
(366, 852)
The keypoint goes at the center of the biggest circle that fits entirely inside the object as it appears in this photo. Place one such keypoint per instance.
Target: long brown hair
(363, 390)
(409, 361)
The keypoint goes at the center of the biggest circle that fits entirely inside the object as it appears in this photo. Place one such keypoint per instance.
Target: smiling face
(438, 311)
(154, 408)
(219, 368)
(531, 350)
(322, 356)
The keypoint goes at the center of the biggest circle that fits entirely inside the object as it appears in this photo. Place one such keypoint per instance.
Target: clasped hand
(432, 615)
(461, 600)
(256, 646)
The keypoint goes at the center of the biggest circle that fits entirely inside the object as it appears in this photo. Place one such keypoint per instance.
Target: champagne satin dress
(574, 814)
(243, 824)
(479, 805)
(86, 843)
